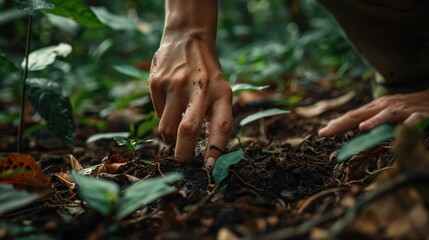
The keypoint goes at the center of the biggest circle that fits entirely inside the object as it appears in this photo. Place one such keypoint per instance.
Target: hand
(187, 87)
(406, 108)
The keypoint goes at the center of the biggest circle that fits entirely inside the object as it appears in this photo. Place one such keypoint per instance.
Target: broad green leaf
(100, 136)
(115, 22)
(29, 7)
(122, 141)
(224, 162)
(149, 122)
(41, 58)
(76, 10)
(145, 192)
(11, 200)
(102, 195)
(48, 99)
(236, 88)
(366, 141)
(65, 24)
(262, 114)
(7, 66)
(131, 71)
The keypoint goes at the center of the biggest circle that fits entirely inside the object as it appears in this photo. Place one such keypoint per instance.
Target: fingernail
(365, 126)
(209, 163)
(323, 132)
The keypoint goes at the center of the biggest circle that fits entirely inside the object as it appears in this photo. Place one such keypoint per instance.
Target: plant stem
(24, 78)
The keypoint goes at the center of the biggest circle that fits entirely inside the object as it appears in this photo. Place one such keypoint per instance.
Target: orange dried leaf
(32, 179)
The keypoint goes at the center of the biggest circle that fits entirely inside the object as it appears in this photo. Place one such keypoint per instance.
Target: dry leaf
(324, 105)
(75, 163)
(296, 141)
(401, 215)
(67, 179)
(411, 153)
(356, 167)
(32, 179)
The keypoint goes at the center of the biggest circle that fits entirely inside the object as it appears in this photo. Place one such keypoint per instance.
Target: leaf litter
(289, 187)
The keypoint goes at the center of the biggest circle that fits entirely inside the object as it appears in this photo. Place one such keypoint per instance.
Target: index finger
(348, 121)
(219, 131)
(189, 130)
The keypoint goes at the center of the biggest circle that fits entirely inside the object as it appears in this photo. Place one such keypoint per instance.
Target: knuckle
(419, 115)
(390, 111)
(167, 132)
(188, 128)
(223, 127)
(227, 91)
(388, 101)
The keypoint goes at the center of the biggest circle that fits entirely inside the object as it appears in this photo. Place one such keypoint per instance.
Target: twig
(24, 78)
(379, 170)
(159, 169)
(316, 196)
(246, 183)
(198, 205)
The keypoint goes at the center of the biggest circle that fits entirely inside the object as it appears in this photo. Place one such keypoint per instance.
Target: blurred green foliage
(258, 41)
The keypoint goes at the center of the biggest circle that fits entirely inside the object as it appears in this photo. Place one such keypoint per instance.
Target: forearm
(191, 19)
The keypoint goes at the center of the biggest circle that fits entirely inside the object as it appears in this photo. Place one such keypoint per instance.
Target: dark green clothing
(393, 35)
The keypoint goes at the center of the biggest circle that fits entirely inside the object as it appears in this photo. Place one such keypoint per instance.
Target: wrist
(190, 19)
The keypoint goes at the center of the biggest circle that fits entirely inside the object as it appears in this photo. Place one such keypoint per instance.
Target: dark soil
(263, 193)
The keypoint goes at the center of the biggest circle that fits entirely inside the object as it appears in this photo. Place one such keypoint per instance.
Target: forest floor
(288, 187)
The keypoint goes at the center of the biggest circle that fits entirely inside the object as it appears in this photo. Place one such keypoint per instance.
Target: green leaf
(29, 7)
(115, 22)
(236, 88)
(131, 71)
(102, 195)
(41, 58)
(366, 141)
(100, 136)
(149, 122)
(48, 99)
(146, 191)
(262, 114)
(76, 10)
(7, 66)
(224, 162)
(122, 141)
(11, 200)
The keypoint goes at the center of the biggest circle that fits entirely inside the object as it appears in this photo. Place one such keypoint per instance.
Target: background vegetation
(259, 41)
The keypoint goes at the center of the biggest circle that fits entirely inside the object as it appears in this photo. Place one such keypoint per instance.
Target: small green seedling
(105, 196)
(224, 162)
(131, 143)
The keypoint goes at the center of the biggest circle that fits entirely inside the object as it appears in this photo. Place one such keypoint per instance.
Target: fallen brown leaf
(75, 163)
(324, 105)
(32, 179)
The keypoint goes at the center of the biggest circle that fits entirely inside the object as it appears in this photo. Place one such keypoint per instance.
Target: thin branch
(24, 79)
